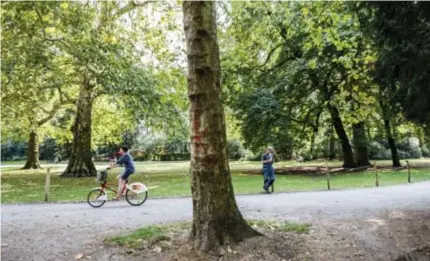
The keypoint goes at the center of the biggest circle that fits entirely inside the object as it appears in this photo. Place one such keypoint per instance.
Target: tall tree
(37, 82)
(106, 63)
(216, 217)
(401, 31)
(302, 52)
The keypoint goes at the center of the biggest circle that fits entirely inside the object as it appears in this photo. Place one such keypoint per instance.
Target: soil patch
(392, 236)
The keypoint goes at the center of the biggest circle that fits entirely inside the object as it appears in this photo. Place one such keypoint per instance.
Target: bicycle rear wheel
(96, 198)
(136, 199)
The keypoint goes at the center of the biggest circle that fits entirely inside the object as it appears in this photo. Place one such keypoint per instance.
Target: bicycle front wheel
(96, 198)
(136, 199)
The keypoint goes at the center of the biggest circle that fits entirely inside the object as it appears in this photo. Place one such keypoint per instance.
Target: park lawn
(183, 166)
(28, 186)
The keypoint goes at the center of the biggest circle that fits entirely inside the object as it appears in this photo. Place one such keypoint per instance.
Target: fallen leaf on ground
(157, 249)
(79, 256)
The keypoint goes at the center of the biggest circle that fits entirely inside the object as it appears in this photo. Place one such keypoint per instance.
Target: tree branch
(130, 7)
(271, 52)
(51, 115)
(60, 94)
(53, 111)
(280, 64)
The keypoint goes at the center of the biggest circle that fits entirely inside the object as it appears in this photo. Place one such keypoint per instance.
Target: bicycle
(136, 193)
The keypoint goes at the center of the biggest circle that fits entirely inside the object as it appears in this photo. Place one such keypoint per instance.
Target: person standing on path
(268, 171)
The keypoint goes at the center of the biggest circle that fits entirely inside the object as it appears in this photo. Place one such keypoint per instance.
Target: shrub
(253, 157)
(403, 154)
(425, 151)
(411, 147)
(378, 151)
(416, 153)
(236, 150)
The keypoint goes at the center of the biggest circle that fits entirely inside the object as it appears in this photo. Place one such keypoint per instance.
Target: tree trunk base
(80, 169)
(227, 233)
(31, 165)
(349, 165)
(363, 164)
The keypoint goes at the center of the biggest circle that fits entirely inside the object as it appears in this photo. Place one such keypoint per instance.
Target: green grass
(134, 239)
(160, 233)
(154, 167)
(284, 226)
(294, 227)
(151, 233)
(173, 180)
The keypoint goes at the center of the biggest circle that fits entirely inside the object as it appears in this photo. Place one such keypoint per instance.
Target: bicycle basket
(102, 176)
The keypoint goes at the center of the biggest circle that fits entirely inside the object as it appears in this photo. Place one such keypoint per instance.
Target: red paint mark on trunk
(196, 129)
(196, 125)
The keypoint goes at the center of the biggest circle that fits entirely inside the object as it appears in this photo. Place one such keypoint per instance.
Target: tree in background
(400, 32)
(37, 84)
(306, 57)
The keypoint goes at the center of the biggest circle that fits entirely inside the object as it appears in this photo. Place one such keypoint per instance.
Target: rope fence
(52, 188)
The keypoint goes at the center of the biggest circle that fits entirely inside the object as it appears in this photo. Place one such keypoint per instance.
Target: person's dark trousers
(272, 189)
(269, 178)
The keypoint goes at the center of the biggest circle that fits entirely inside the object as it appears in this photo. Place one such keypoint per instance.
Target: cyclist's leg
(122, 180)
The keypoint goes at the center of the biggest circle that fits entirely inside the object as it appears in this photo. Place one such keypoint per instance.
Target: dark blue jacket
(267, 157)
(127, 160)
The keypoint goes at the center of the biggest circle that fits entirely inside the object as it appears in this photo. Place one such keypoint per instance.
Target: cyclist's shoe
(116, 198)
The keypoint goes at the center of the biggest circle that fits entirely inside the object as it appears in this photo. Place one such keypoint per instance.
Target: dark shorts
(126, 174)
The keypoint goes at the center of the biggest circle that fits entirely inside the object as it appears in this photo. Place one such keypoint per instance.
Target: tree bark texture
(331, 144)
(392, 144)
(80, 162)
(360, 144)
(216, 217)
(348, 157)
(312, 149)
(33, 152)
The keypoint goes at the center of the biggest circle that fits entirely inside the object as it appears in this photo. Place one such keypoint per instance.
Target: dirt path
(59, 231)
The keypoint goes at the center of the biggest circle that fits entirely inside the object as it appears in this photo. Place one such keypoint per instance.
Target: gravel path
(59, 231)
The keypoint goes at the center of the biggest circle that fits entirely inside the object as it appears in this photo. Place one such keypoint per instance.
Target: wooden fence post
(376, 174)
(327, 175)
(47, 183)
(409, 171)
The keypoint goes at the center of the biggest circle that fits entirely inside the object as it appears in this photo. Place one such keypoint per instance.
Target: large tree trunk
(331, 145)
(216, 217)
(420, 135)
(312, 149)
(360, 144)
(348, 157)
(33, 151)
(80, 162)
(392, 144)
